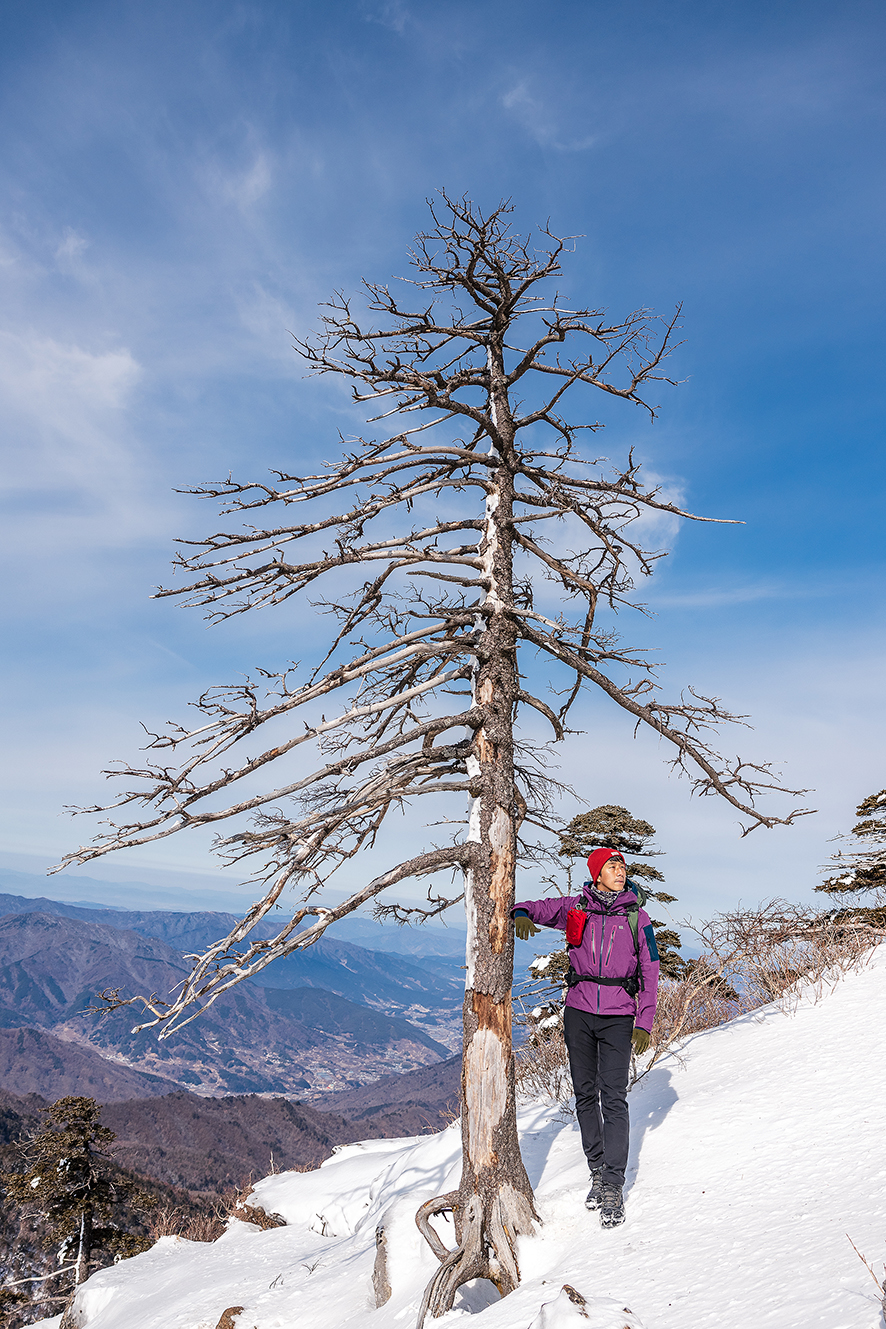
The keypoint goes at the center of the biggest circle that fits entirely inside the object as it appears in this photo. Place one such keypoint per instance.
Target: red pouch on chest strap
(575, 926)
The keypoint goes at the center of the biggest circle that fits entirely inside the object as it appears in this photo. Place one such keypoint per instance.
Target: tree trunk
(84, 1249)
(494, 1202)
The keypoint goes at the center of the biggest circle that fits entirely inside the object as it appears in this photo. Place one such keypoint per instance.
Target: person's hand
(640, 1040)
(524, 927)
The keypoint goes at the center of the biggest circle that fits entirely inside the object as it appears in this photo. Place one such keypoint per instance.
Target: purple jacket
(607, 948)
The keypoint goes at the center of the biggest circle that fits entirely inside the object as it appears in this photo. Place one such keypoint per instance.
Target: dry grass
(688, 1006)
(209, 1225)
(542, 1069)
(788, 954)
(879, 1283)
(170, 1222)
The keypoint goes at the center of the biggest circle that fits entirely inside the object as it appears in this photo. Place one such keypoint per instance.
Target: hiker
(610, 1007)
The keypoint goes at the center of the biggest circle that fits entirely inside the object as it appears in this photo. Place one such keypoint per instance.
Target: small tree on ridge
(862, 871)
(68, 1180)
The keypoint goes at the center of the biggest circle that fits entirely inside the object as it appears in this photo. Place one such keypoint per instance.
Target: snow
(753, 1157)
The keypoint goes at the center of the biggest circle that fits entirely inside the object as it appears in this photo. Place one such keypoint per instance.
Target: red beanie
(598, 859)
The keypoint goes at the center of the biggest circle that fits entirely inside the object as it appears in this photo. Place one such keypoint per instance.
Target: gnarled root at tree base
(486, 1227)
(493, 1205)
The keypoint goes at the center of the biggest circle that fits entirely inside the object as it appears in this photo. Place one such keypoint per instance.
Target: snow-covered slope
(751, 1162)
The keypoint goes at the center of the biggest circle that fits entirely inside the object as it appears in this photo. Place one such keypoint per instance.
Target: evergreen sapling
(70, 1181)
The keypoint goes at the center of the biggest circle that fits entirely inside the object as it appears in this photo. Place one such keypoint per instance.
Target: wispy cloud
(247, 187)
(538, 115)
(393, 14)
(66, 407)
(69, 253)
(713, 597)
(67, 393)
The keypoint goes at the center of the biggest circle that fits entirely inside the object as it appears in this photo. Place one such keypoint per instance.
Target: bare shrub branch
(776, 952)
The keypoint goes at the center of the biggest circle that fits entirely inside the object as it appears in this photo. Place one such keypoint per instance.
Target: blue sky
(183, 183)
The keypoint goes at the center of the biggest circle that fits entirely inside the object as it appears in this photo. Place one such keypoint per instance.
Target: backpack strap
(631, 984)
(640, 891)
(633, 913)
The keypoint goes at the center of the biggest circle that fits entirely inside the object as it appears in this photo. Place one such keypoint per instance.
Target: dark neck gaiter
(605, 898)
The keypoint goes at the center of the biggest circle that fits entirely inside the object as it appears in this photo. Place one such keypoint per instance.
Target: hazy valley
(335, 1017)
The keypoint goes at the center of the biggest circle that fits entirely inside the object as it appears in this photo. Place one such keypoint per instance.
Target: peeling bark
(72, 1318)
(228, 1318)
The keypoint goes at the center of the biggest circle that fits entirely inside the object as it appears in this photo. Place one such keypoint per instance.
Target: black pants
(599, 1049)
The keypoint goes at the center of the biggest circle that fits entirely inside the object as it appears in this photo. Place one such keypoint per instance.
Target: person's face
(612, 875)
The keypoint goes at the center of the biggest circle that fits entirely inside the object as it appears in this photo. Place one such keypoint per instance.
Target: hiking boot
(612, 1210)
(595, 1194)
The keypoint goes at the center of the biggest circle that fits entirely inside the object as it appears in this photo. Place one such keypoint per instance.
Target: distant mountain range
(186, 1151)
(420, 1100)
(390, 981)
(92, 894)
(204, 1145)
(288, 1039)
(331, 1035)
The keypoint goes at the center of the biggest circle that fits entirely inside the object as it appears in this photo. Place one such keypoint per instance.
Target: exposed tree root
(441, 1205)
(486, 1245)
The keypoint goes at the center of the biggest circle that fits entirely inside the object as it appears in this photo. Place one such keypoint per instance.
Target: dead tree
(464, 550)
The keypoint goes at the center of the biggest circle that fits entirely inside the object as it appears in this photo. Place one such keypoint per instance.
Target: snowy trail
(751, 1161)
